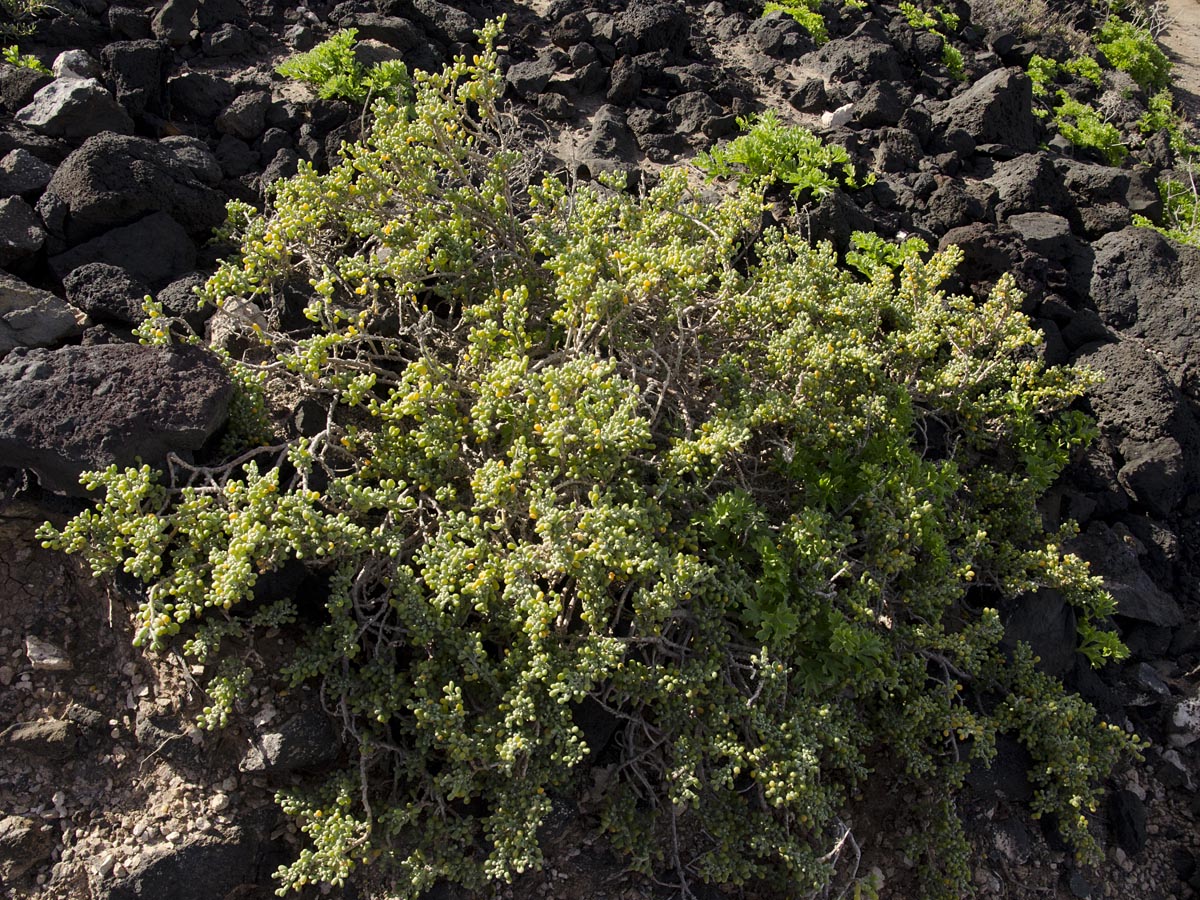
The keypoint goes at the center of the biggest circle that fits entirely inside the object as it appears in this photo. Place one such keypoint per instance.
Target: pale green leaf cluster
(335, 71)
(591, 451)
(770, 151)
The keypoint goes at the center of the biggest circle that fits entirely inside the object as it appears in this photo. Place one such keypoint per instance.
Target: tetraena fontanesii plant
(584, 453)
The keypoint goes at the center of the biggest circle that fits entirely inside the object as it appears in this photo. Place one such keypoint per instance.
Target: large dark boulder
(23, 174)
(997, 109)
(1030, 183)
(202, 867)
(1149, 288)
(136, 70)
(21, 232)
(445, 22)
(155, 249)
(114, 180)
(18, 85)
(1149, 423)
(865, 56)
(65, 411)
(651, 25)
(107, 293)
(1114, 559)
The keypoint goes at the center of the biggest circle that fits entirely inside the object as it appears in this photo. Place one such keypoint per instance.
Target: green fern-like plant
(1132, 48)
(806, 13)
(334, 70)
(14, 57)
(770, 151)
(1082, 125)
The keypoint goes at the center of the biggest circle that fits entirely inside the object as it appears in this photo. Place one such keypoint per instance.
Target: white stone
(1185, 721)
(45, 655)
(105, 864)
(75, 64)
(839, 117)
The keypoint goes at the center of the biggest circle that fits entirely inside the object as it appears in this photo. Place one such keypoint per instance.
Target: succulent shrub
(580, 449)
(17, 17)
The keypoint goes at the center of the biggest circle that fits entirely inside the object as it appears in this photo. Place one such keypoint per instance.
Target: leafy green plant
(638, 452)
(1082, 125)
(952, 57)
(1132, 48)
(770, 152)
(14, 57)
(1181, 206)
(806, 13)
(1085, 67)
(1041, 71)
(18, 18)
(873, 253)
(918, 18)
(335, 71)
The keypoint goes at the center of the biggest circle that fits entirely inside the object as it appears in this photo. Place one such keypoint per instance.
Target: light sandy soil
(1182, 43)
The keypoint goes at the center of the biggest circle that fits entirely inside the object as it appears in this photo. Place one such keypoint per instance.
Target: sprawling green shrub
(18, 18)
(1132, 48)
(585, 448)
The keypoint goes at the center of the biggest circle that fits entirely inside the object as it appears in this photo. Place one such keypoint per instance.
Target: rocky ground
(114, 171)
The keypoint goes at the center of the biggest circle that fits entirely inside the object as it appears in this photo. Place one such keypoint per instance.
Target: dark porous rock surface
(996, 109)
(201, 867)
(112, 180)
(107, 293)
(306, 740)
(156, 249)
(65, 411)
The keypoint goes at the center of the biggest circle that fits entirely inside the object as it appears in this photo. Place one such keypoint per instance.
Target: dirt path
(1182, 43)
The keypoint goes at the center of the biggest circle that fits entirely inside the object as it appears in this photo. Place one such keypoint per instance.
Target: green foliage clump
(14, 57)
(873, 253)
(770, 152)
(1132, 48)
(333, 68)
(1041, 71)
(806, 13)
(1181, 207)
(935, 21)
(1085, 67)
(952, 59)
(1082, 125)
(634, 452)
(17, 18)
